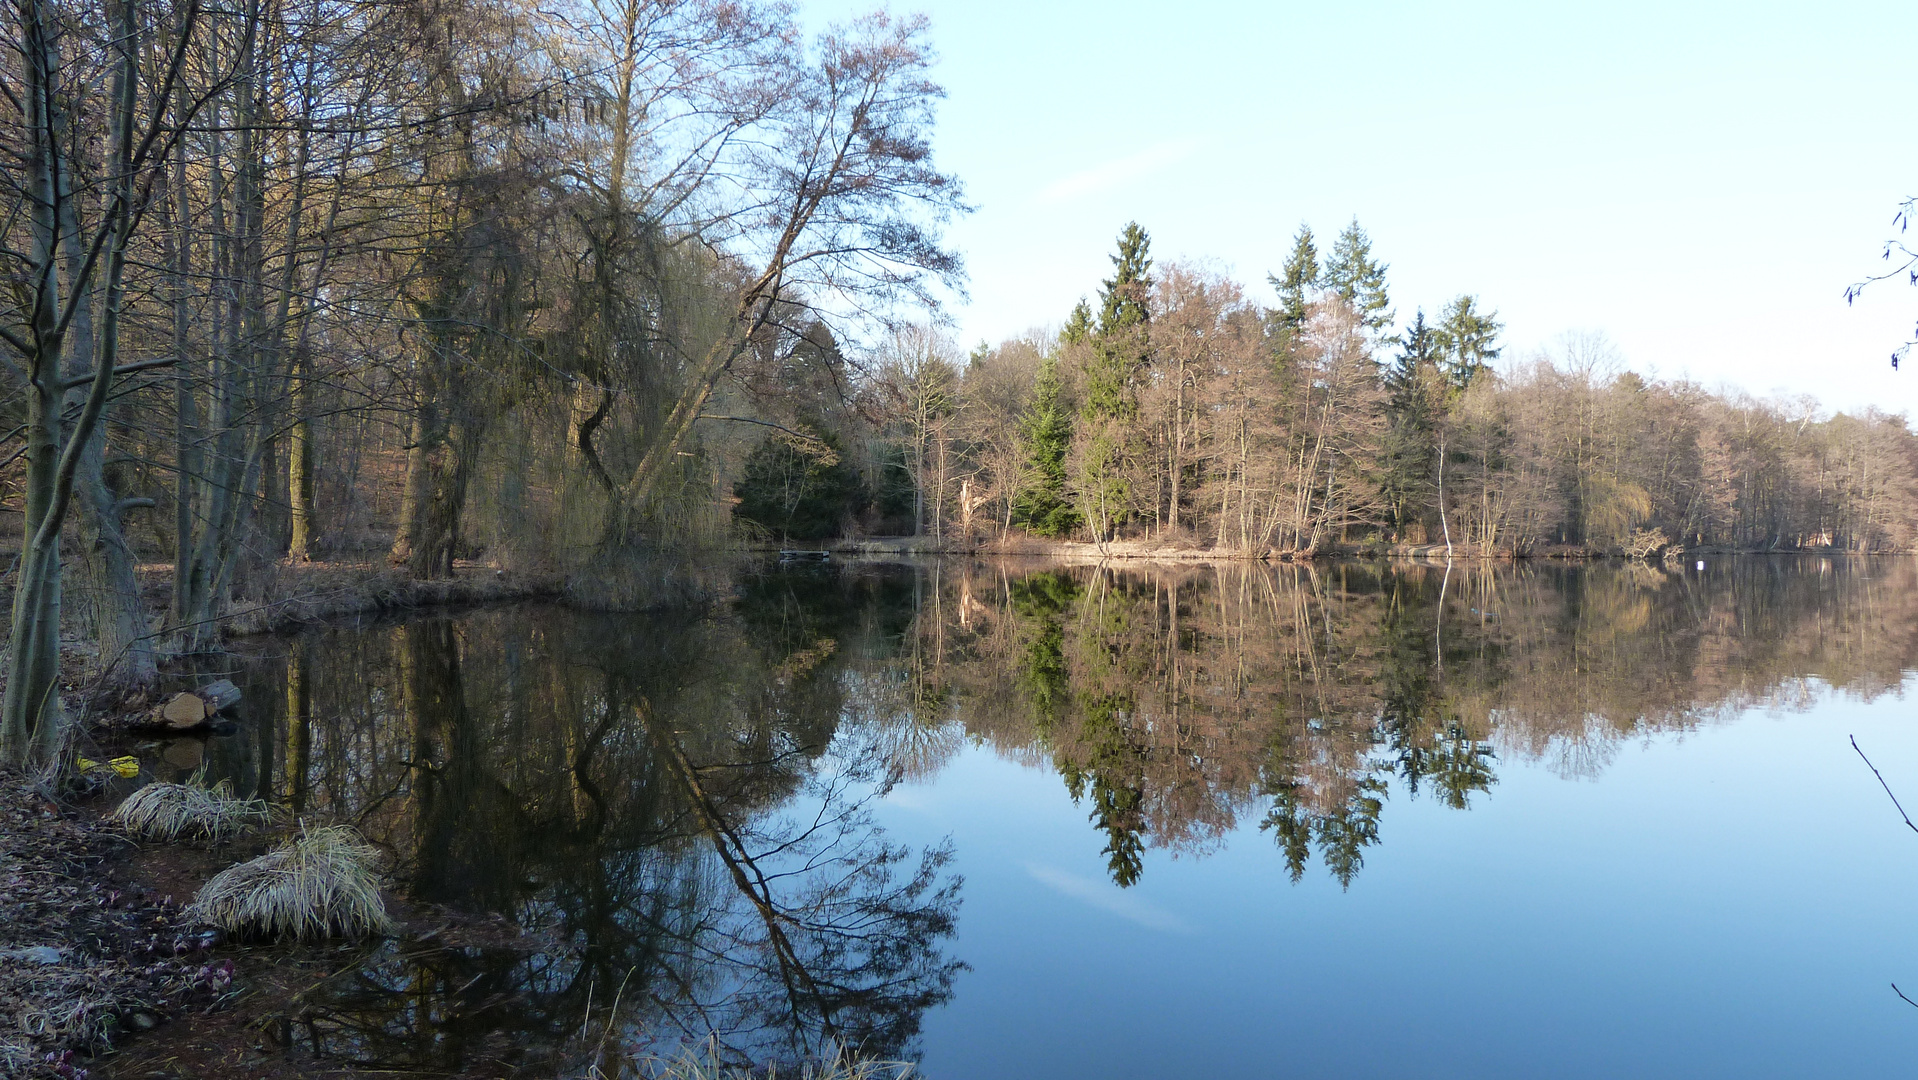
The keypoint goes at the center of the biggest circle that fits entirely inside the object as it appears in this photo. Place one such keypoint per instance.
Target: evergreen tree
(798, 491)
(1413, 410)
(1296, 279)
(1357, 278)
(1120, 350)
(1078, 329)
(1124, 293)
(1466, 337)
(1119, 346)
(1046, 433)
(1420, 348)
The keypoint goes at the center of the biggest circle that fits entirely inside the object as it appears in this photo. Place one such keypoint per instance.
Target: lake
(1013, 819)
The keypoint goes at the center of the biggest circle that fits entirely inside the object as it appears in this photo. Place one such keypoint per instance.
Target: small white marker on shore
(1701, 564)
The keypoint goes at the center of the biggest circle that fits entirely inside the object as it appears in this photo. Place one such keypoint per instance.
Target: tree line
(1174, 407)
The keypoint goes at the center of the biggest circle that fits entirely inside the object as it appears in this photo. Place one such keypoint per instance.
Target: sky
(1697, 182)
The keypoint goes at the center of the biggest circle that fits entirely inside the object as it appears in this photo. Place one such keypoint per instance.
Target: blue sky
(1699, 182)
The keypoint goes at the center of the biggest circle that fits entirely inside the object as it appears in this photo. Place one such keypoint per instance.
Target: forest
(595, 291)
(1176, 408)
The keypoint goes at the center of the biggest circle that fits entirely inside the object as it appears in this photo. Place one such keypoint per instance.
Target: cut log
(183, 710)
(219, 695)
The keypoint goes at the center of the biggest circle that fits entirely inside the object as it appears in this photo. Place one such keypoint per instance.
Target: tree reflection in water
(675, 807)
(1174, 700)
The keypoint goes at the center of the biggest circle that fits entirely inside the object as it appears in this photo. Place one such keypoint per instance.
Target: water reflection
(1175, 701)
(676, 807)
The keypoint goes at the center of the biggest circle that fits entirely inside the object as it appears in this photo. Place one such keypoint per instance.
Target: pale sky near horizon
(1700, 182)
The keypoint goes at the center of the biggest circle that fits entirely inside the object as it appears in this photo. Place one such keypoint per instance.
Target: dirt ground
(89, 955)
(130, 989)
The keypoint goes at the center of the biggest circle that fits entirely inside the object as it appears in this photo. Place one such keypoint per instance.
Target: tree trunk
(113, 586)
(299, 465)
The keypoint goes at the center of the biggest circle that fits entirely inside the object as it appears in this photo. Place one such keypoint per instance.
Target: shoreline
(1155, 551)
(327, 592)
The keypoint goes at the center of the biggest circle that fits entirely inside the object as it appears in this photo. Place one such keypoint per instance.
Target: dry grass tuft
(176, 811)
(321, 883)
(62, 1005)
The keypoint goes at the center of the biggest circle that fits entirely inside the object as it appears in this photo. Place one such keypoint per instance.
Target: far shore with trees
(1173, 413)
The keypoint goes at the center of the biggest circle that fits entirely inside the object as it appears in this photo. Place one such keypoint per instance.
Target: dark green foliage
(1113, 771)
(1043, 507)
(1120, 348)
(1408, 453)
(1467, 338)
(1040, 600)
(1419, 350)
(799, 491)
(1295, 282)
(1355, 277)
(1341, 834)
(894, 498)
(1124, 293)
(1078, 329)
(1113, 777)
(1426, 738)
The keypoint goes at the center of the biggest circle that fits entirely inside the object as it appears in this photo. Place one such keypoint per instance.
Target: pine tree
(799, 491)
(1357, 278)
(1420, 348)
(1296, 279)
(1119, 346)
(1407, 465)
(1124, 293)
(1120, 351)
(1078, 329)
(1466, 338)
(1046, 433)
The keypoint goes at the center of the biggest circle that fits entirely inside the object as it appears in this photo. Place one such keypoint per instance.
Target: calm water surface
(1014, 820)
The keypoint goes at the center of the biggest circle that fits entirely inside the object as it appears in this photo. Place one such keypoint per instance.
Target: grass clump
(321, 883)
(190, 811)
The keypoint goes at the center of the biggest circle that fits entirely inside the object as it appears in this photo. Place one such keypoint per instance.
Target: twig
(1894, 800)
(1901, 993)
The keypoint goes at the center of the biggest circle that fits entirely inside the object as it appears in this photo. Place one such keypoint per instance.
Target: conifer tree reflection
(1425, 735)
(1102, 762)
(1110, 776)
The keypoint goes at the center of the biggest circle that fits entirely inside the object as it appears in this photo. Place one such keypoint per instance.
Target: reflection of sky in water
(1104, 896)
(1732, 902)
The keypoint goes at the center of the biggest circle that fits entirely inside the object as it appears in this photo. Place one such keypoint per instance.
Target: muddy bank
(90, 956)
(102, 975)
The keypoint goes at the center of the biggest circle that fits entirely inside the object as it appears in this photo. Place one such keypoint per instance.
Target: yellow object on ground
(127, 767)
